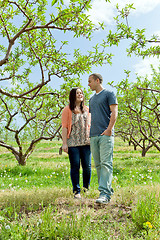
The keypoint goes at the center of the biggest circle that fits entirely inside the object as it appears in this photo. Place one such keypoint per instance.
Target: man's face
(92, 83)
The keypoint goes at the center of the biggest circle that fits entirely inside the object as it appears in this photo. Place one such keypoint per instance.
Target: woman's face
(79, 95)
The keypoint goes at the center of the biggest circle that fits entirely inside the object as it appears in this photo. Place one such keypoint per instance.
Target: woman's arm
(64, 139)
(65, 118)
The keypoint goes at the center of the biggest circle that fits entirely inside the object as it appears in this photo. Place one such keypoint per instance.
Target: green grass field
(37, 202)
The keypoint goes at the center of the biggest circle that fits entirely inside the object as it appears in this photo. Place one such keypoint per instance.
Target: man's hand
(107, 132)
(114, 113)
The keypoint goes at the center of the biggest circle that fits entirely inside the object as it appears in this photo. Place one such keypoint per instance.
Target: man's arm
(114, 114)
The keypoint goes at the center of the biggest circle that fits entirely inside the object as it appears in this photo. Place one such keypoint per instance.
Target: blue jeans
(77, 154)
(102, 151)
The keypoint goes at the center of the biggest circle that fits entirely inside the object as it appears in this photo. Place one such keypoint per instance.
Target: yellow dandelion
(148, 224)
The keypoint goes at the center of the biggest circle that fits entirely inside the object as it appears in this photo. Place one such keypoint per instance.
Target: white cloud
(143, 67)
(142, 6)
(66, 2)
(104, 11)
(101, 12)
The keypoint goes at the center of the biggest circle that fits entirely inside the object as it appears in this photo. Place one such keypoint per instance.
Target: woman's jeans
(76, 155)
(102, 151)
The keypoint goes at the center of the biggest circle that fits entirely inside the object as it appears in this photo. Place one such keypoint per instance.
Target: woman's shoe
(77, 196)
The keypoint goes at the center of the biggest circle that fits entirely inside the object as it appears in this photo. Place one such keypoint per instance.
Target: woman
(75, 136)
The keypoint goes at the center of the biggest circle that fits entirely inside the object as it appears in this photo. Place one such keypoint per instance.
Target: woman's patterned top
(79, 135)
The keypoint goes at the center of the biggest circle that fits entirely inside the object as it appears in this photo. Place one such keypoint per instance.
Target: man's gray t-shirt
(100, 111)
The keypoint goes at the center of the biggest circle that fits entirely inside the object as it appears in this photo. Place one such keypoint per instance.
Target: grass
(36, 200)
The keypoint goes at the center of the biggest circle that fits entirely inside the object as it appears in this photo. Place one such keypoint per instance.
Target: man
(103, 107)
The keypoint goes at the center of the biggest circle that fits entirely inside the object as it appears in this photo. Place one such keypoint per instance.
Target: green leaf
(54, 2)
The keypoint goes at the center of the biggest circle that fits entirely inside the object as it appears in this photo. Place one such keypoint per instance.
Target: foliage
(35, 54)
(139, 112)
(146, 213)
(139, 44)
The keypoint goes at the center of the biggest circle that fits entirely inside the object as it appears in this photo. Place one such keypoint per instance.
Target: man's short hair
(97, 75)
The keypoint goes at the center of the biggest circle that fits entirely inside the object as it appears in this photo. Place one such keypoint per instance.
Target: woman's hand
(65, 148)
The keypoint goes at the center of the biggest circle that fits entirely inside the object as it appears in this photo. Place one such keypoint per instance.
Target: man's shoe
(102, 200)
(77, 196)
(85, 189)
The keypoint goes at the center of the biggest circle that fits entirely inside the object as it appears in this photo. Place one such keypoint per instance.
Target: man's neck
(99, 89)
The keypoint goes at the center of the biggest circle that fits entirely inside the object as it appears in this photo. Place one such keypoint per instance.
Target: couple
(76, 132)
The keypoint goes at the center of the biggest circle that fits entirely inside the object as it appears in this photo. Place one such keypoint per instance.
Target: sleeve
(112, 99)
(65, 116)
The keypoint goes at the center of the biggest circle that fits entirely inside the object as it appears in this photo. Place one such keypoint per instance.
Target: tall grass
(37, 202)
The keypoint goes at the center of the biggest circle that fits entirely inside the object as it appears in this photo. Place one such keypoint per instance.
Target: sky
(145, 16)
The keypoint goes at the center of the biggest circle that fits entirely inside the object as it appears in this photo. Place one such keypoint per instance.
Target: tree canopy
(33, 58)
(139, 112)
(31, 106)
(139, 101)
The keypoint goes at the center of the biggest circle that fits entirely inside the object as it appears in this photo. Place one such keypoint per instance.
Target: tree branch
(11, 43)
(148, 89)
(39, 86)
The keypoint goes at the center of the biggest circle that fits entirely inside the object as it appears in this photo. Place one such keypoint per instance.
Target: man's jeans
(102, 151)
(76, 154)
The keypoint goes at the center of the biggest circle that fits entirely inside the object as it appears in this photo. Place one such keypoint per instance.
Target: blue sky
(145, 16)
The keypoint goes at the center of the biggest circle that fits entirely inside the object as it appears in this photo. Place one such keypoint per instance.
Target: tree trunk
(135, 146)
(143, 152)
(21, 159)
